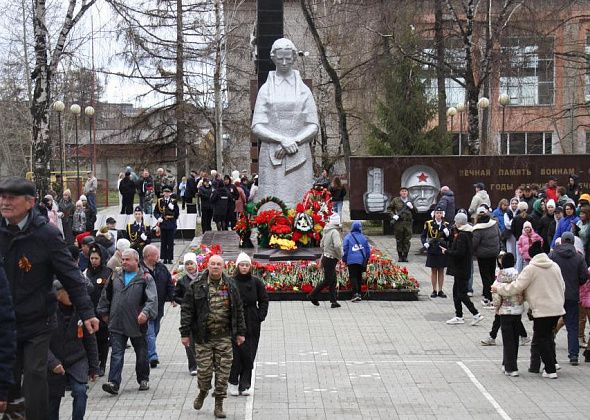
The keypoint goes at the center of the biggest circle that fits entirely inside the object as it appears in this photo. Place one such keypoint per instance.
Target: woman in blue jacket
(566, 223)
(356, 252)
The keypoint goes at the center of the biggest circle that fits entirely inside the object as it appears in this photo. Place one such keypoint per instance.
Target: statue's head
(283, 54)
(423, 185)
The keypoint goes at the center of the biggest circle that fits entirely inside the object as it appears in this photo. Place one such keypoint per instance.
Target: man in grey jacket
(127, 303)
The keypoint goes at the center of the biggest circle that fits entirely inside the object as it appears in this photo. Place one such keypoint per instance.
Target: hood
(485, 225)
(542, 261)
(466, 228)
(356, 227)
(537, 206)
(483, 194)
(330, 227)
(565, 250)
(508, 275)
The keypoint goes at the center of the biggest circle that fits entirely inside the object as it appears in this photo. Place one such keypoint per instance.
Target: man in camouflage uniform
(402, 214)
(212, 311)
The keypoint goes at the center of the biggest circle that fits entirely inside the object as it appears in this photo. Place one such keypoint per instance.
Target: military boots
(219, 408)
(198, 404)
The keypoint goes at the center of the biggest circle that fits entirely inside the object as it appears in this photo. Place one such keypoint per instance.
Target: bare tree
(46, 62)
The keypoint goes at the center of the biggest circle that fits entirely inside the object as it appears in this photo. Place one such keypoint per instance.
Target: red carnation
(306, 288)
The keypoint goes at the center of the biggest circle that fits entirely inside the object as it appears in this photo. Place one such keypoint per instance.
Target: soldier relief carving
(421, 181)
(285, 120)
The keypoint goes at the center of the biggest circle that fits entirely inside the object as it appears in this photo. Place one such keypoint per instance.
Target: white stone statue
(285, 120)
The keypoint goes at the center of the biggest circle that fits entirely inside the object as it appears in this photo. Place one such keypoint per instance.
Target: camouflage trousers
(403, 234)
(214, 356)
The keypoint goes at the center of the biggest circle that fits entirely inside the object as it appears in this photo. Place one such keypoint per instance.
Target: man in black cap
(167, 213)
(111, 224)
(34, 252)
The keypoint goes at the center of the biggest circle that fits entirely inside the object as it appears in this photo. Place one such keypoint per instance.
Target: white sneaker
(247, 392)
(455, 321)
(233, 390)
(489, 341)
(557, 367)
(193, 373)
(549, 375)
(514, 373)
(477, 318)
(524, 341)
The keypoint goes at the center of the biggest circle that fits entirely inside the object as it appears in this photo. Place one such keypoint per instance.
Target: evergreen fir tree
(403, 115)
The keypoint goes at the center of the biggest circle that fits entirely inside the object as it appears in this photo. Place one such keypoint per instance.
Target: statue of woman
(285, 120)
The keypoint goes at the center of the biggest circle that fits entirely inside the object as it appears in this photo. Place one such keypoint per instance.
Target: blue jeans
(572, 313)
(142, 366)
(91, 197)
(152, 333)
(337, 207)
(78, 404)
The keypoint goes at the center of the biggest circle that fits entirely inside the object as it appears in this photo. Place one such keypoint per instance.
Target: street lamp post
(483, 104)
(89, 111)
(58, 106)
(504, 100)
(76, 110)
(460, 108)
(451, 112)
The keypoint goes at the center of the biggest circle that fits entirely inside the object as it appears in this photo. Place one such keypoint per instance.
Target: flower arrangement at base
(282, 243)
(244, 230)
(301, 276)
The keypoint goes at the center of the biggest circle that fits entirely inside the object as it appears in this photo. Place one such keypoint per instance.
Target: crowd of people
(532, 247)
(114, 284)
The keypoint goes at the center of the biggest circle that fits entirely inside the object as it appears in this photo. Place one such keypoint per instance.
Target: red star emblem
(422, 177)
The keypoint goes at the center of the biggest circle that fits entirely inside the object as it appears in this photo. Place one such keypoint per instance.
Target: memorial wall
(376, 180)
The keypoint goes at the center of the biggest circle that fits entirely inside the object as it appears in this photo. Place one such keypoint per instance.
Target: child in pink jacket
(525, 241)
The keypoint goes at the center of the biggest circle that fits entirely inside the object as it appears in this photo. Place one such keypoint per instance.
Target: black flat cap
(166, 188)
(110, 220)
(17, 186)
(137, 208)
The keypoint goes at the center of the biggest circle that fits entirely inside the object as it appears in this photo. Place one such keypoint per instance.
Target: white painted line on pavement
(484, 392)
(249, 409)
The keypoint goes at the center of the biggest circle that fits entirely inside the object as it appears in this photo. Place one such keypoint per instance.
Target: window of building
(527, 71)
(525, 144)
(454, 58)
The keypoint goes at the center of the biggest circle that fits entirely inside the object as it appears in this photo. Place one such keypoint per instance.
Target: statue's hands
(291, 148)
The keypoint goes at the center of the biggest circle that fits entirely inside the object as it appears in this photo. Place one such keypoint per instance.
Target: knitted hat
(123, 244)
(523, 206)
(335, 219)
(460, 219)
(527, 224)
(550, 203)
(243, 257)
(483, 209)
(191, 256)
(83, 198)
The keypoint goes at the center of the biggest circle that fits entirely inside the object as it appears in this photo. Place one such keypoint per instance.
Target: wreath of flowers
(271, 199)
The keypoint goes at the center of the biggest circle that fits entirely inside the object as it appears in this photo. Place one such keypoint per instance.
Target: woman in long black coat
(66, 207)
(255, 303)
(98, 275)
(220, 199)
(127, 190)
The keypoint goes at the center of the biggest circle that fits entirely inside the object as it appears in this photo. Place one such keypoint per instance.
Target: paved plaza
(367, 360)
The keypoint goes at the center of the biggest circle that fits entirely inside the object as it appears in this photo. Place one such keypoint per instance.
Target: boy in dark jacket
(71, 360)
(460, 256)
